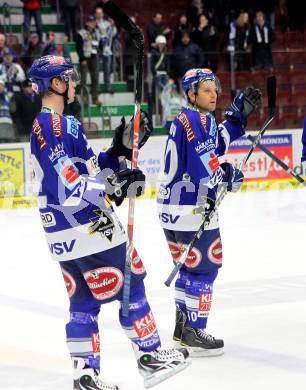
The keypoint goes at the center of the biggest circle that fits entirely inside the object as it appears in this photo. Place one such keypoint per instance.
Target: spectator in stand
(32, 50)
(107, 31)
(87, 47)
(205, 36)
(157, 27)
(260, 39)
(7, 132)
(50, 46)
(194, 11)
(160, 62)
(3, 47)
(187, 55)
(172, 102)
(238, 41)
(24, 107)
(70, 10)
(181, 27)
(32, 8)
(11, 73)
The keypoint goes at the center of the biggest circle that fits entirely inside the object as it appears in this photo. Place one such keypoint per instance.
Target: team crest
(103, 223)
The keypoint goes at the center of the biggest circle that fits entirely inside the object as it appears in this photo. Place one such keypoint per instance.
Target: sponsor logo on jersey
(213, 127)
(137, 266)
(103, 223)
(38, 132)
(59, 248)
(146, 326)
(57, 125)
(104, 282)
(67, 172)
(205, 146)
(203, 120)
(193, 259)
(210, 162)
(168, 218)
(69, 283)
(183, 118)
(47, 219)
(215, 251)
(95, 342)
(205, 304)
(73, 126)
(57, 152)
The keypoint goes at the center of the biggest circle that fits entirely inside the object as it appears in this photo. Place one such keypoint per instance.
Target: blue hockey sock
(199, 289)
(140, 325)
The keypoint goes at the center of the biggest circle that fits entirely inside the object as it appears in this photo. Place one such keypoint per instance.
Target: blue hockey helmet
(46, 68)
(193, 77)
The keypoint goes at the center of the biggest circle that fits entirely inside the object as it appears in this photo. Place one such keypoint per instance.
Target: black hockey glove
(233, 177)
(125, 184)
(122, 143)
(243, 105)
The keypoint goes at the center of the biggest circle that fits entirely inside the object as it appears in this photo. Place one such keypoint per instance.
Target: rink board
(261, 173)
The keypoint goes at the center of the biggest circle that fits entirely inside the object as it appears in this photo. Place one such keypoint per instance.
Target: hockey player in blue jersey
(303, 159)
(83, 232)
(188, 189)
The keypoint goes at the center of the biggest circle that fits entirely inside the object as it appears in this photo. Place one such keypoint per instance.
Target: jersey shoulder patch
(73, 126)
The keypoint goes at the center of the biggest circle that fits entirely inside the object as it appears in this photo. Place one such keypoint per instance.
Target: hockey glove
(243, 105)
(122, 143)
(125, 184)
(232, 177)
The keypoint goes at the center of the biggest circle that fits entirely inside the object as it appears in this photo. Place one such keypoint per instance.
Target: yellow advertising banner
(12, 173)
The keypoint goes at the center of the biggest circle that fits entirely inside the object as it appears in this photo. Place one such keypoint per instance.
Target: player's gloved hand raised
(125, 184)
(122, 143)
(243, 105)
(232, 177)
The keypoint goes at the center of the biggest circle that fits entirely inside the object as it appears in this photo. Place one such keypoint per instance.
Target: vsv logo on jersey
(145, 326)
(168, 218)
(67, 172)
(59, 248)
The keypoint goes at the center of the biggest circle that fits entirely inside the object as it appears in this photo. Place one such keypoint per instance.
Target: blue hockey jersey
(191, 167)
(77, 219)
(303, 159)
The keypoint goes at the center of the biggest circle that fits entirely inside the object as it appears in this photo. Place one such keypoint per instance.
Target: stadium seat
(297, 60)
(294, 40)
(280, 60)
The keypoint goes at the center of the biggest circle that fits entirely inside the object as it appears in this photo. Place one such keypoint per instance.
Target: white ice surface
(259, 305)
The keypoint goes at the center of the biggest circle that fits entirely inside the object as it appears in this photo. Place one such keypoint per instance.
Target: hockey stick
(271, 91)
(278, 161)
(130, 27)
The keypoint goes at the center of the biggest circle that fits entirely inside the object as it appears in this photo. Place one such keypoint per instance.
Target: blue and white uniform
(83, 232)
(303, 158)
(192, 172)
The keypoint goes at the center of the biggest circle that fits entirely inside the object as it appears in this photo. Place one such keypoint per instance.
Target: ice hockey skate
(180, 319)
(201, 344)
(162, 364)
(86, 378)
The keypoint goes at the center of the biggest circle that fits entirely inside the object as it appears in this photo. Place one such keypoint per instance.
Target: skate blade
(152, 380)
(195, 352)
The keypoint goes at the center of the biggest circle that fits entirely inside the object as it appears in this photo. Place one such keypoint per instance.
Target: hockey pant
(82, 330)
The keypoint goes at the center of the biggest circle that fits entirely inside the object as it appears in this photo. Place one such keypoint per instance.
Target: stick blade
(271, 92)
